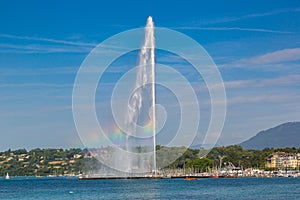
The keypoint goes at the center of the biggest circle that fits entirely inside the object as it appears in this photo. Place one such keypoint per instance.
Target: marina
(248, 173)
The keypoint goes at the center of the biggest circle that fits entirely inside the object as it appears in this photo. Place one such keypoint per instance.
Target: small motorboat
(190, 178)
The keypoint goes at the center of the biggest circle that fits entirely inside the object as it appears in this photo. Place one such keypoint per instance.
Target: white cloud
(279, 56)
(47, 40)
(251, 15)
(25, 71)
(13, 48)
(264, 98)
(239, 83)
(274, 61)
(289, 80)
(231, 29)
(56, 46)
(6, 85)
(281, 81)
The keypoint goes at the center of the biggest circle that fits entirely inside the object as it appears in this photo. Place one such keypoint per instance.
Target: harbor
(247, 173)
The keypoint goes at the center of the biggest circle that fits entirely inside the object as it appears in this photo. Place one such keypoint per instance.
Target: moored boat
(190, 178)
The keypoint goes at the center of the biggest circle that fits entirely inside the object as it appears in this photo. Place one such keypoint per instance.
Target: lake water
(67, 188)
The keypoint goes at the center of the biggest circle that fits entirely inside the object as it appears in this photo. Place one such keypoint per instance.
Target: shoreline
(77, 177)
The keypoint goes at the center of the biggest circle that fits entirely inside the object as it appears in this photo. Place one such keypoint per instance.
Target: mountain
(284, 135)
(205, 146)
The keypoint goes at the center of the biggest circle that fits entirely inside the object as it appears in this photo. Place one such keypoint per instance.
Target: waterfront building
(282, 160)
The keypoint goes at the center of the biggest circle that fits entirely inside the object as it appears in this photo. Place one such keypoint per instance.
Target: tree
(201, 164)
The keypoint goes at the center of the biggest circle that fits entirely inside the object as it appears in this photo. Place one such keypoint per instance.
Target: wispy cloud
(284, 55)
(49, 45)
(289, 80)
(37, 48)
(45, 45)
(231, 29)
(6, 85)
(251, 15)
(8, 71)
(41, 110)
(263, 98)
(272, 60)
(41, 39)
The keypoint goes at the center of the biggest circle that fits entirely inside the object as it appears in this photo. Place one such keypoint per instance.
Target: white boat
(7, 176)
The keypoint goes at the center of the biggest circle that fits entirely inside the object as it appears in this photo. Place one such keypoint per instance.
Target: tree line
(43, 162)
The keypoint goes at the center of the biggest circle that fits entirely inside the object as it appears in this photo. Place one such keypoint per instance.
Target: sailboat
(7, 176)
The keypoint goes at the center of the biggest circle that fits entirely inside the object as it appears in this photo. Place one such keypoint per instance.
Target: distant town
(230, 161)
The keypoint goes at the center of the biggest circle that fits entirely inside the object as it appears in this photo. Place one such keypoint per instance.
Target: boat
(214, 176)
(190, 178)
(7, 176)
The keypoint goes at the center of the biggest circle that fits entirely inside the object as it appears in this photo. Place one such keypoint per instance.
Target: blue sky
(255, 45)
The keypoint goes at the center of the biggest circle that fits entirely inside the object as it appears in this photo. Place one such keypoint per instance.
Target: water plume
(141, 109)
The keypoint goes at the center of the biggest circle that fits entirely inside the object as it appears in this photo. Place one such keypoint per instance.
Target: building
(283, 160)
